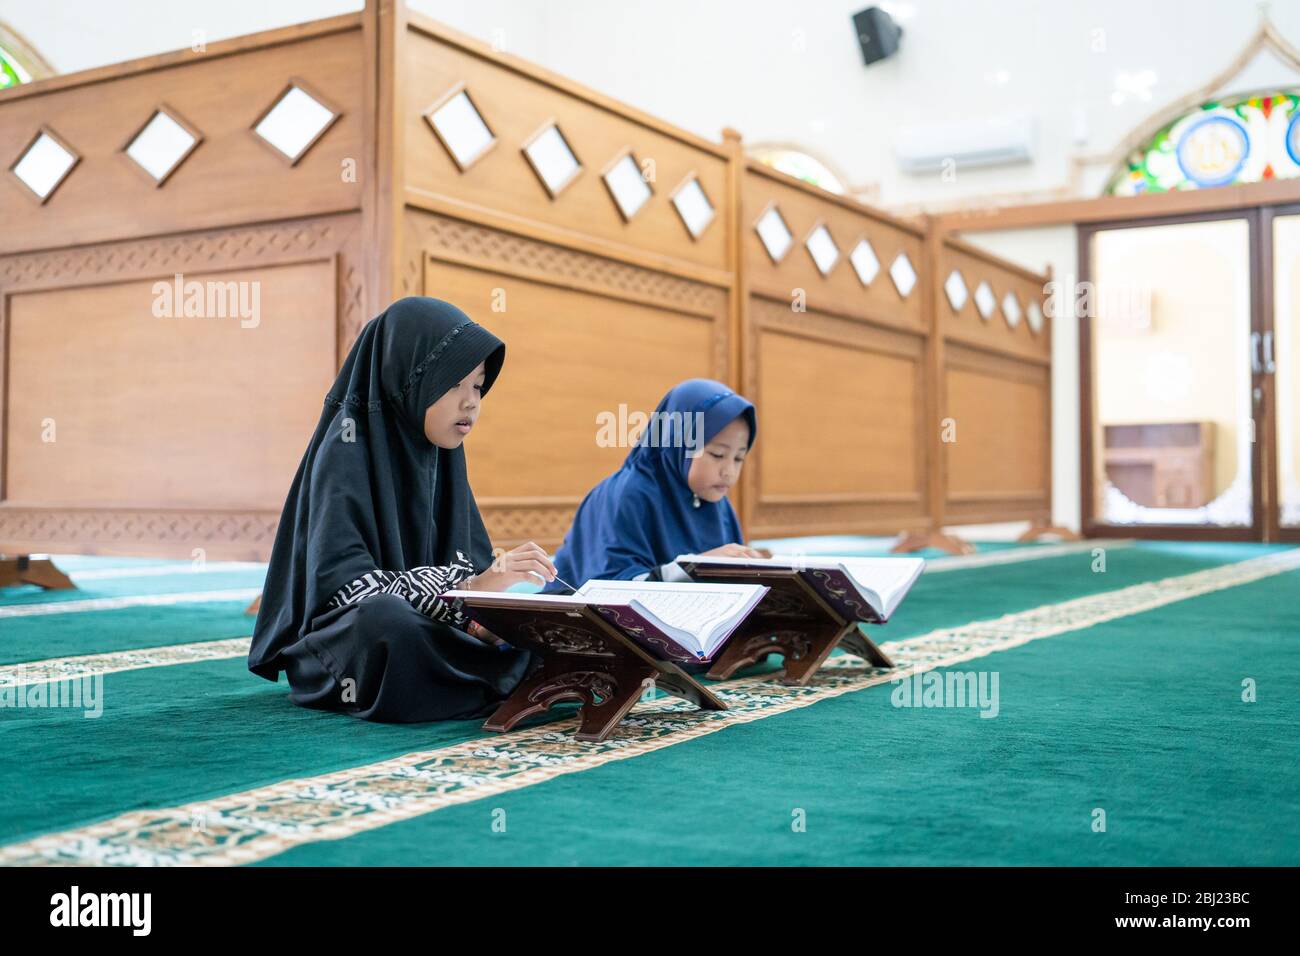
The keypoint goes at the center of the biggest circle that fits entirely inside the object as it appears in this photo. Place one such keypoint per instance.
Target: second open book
(682, 622)
(861, 589)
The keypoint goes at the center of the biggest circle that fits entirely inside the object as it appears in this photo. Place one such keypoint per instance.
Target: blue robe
(644, 514)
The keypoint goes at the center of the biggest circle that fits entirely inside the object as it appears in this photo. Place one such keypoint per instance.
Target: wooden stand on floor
(920, 540)
(585, 658)
(792, 620)
(41, 572)
(1037, 531)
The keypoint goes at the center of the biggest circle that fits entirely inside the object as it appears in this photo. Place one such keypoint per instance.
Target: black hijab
(372, 491)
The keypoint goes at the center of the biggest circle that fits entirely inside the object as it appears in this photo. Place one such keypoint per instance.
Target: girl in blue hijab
(670, 496)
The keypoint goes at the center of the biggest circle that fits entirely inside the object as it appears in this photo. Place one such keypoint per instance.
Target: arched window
(11, 71)
(19, 61)
(1238, 139)
(800, 165)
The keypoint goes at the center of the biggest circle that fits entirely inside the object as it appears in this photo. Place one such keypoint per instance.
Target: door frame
(1273, 520)
(1256, 531)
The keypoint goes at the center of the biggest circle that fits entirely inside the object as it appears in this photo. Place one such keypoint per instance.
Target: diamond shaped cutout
(162, 144)
(903, 274)
(985, 301)
(627, 186)
(552, 159)
(774, 233)
(44, 164)
(1011, 309)
(864, 262)
(822, 248)
(295, 122)
(1034, 316)
(954, 287)
(460, 127)
(693, 205)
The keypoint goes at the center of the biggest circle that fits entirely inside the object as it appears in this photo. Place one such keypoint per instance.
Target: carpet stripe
(260, 823)
(960, 562)
(112, 662)
(163, 570)
(136, 600)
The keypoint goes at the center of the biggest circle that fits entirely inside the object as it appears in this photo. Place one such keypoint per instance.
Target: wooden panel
(517, 103)
(311, 277)
(839, 292)
(833, 444)
(839, 444)
(232, 177)
(970, 327)
(999, 466)
(572, 354)
(167, 412)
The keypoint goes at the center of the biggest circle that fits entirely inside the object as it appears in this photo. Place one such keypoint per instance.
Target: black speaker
(877, 34)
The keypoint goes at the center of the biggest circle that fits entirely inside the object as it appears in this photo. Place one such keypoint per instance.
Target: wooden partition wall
(128, 427)
(126, 431)
(991, 356)
(904, 379)
(599, 312)
(834, 360)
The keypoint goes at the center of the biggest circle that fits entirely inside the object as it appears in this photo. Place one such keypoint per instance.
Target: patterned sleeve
(420, 586)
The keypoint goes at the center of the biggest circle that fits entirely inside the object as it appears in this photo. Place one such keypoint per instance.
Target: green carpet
(1140, 716)
(63, 635)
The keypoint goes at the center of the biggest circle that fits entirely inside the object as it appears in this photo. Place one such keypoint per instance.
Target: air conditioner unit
(992, 141)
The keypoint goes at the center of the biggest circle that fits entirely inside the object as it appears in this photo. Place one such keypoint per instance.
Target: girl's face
(717, 467)
(448, 420)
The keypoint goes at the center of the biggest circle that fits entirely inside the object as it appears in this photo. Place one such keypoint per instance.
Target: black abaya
(405, 667)
(375, 500)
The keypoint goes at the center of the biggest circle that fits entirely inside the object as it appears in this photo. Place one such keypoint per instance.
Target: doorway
(1188, 375)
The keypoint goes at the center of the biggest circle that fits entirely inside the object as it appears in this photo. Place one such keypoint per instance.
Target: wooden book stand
(584, 658)
(41, 572)
(793, 620)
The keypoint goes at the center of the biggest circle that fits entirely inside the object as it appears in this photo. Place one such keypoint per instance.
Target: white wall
(80, 34)
(783, 71)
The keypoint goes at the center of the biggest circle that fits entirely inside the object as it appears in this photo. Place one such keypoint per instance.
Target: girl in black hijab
(379, 521)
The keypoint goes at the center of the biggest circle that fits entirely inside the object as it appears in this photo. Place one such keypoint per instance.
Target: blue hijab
(644, 514)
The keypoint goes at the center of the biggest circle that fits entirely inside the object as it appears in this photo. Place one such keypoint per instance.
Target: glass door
(1279, 363)
(1172, 397)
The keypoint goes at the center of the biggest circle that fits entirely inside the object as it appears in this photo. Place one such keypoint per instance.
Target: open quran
(813, 606)
(604, 645)
(680, 622)
(863, 589)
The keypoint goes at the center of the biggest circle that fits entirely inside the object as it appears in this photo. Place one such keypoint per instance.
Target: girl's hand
(528, 562)
(737, 551)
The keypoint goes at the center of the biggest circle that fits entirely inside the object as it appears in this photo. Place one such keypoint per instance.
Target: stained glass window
(800, 166)
(1240, 139)
(11, 71)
